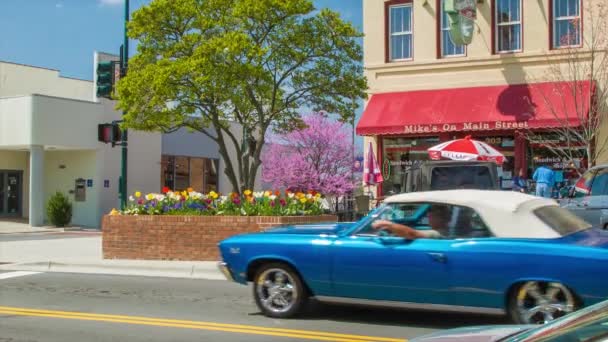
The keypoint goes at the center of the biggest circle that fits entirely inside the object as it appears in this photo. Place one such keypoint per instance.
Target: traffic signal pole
(123, 172)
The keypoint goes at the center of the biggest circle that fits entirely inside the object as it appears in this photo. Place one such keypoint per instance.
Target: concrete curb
(32, 231)
(168, 269)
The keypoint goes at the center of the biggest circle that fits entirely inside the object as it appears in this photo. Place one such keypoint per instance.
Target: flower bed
(189, 202)
(188, 225)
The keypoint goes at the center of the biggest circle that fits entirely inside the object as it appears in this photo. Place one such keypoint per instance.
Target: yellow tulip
(247, 192)
(149, 197)
(267, 193)
(303, 200)
(137, 194)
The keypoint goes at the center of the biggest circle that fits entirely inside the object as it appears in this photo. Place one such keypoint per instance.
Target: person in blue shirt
(520, 183)
(544, 177)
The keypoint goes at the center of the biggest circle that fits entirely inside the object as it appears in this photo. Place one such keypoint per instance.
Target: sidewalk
(22, 226)
(83, 255)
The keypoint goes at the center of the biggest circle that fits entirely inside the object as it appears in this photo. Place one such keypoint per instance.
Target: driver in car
(439, 218)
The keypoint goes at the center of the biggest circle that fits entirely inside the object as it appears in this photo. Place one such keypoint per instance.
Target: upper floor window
(448, 48)
(508, 26)
(400, 31)
(566, 23)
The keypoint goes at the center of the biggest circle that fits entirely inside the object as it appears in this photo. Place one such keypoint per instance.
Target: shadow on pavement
(395, 317)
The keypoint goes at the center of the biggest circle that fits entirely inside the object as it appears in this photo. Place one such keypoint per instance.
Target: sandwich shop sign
(461, 15)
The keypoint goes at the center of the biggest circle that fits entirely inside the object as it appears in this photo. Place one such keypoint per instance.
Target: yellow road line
(247, 329)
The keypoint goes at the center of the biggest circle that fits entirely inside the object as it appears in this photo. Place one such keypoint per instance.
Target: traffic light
(109, 133)
(105, 79)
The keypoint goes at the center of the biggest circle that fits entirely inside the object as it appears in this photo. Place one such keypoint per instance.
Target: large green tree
(203, 64)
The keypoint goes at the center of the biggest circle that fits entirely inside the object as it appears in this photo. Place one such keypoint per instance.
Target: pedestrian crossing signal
(109, 133)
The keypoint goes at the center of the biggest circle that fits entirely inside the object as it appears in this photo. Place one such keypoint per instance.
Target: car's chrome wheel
(541, 302)
(278, 291)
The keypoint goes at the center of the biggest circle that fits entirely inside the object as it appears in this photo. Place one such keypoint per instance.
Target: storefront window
(180, 173)
(400, 154)
(566, 169)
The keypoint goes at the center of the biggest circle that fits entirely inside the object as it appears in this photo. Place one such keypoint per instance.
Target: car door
(474, 262)
(597, 204)
(389, 268)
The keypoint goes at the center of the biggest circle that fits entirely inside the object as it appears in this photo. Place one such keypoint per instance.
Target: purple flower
(282, 202)
(272, 203)
(196, 206)
(236, 201)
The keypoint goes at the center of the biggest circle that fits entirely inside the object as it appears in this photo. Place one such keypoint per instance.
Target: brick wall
(183, 237)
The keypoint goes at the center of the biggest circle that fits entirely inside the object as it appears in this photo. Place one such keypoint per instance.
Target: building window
(448, 48)
(566, 23)
(508, 26)
(180, 173)
(400, 31)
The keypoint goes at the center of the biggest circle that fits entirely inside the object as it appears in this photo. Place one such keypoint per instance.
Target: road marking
(236, 328)
(16, 274)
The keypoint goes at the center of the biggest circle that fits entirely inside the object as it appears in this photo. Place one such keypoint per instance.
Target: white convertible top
(506, 213)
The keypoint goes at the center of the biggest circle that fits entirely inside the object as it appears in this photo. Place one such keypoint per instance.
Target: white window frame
(497, 24)
(403, 33)
(443, 29)
(555, 19)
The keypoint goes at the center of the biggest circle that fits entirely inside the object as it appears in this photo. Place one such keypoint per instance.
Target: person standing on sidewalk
(520, 183)
(544, 178)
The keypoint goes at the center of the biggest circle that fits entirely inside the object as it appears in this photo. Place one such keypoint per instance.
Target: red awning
(509, 107)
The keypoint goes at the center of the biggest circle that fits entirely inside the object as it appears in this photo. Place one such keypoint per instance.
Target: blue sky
(62, 34)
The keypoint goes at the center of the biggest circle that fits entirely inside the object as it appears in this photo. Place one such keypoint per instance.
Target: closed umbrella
(371, 171)
(466, 149)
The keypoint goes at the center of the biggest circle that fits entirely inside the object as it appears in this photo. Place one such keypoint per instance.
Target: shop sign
(461, 16)
(466, 126)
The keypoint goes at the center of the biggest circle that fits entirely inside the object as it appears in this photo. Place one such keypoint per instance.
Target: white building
(48, 143)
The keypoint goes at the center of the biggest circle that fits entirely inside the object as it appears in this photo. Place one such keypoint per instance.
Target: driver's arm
(401, 230)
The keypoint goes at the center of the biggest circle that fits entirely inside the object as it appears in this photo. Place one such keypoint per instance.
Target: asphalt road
(78, 307)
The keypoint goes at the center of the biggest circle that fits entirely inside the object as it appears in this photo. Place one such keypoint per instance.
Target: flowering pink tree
(318, 157)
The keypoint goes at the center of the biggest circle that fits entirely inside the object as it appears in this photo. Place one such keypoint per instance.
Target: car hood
(592, 237)
(319, 228)
(474, 334)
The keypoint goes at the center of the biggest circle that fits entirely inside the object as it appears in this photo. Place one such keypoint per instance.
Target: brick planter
(183, 237)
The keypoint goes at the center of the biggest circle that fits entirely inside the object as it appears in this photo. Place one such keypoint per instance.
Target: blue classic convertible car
(473, 251)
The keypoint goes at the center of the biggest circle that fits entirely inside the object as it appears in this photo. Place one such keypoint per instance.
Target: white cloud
(59, 5)
(110, 2)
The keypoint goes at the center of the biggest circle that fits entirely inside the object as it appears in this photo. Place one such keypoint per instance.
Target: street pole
(123, 177)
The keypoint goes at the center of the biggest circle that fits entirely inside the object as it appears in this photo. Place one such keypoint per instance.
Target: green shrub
(59, 210)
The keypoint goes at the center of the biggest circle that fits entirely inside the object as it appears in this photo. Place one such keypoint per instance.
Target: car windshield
(589, 324)
(561, 220)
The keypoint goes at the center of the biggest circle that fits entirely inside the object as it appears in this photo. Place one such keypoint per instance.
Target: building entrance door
(10, 193)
